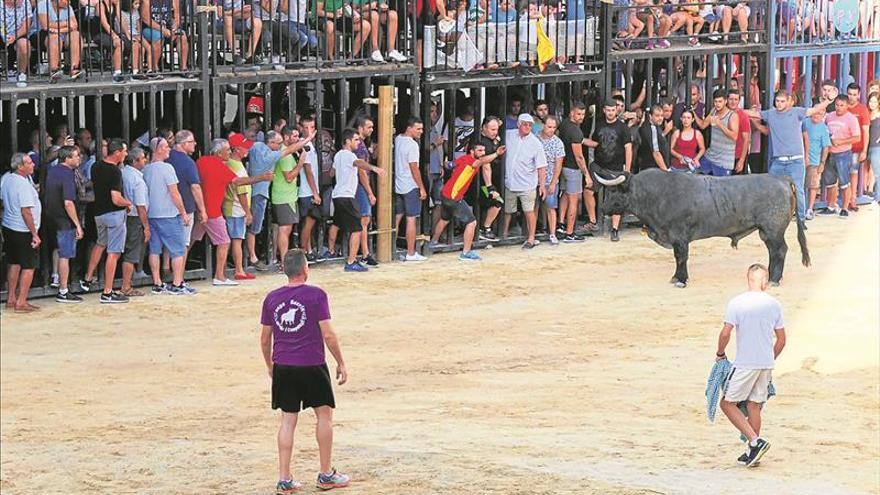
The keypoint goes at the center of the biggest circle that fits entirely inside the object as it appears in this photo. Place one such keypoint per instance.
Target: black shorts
(134, 241)
(459, 210)
(345, 215)
(830, 175)
(295, 388)
(19, 250)
(307, 208)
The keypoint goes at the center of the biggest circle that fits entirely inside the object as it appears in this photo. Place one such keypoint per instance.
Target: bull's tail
(801, 228)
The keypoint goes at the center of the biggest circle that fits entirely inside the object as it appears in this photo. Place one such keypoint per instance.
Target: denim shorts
(152, 35)
(843, 162)
(574, 180)
(66, 243)
(167, 233)
(258, 210)
(552, 199)
(111, 230)
(365, 209)
(235, 226)
(708, 167)
(408, 203)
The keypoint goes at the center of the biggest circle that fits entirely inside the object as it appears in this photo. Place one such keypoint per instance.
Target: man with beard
(612, 146)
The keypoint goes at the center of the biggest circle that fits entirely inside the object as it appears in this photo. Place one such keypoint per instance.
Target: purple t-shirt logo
(295, 314)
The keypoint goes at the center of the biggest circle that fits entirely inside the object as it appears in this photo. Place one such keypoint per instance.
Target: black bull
(678, 208)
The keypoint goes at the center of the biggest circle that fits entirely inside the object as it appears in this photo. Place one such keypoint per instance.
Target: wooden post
(384, 201)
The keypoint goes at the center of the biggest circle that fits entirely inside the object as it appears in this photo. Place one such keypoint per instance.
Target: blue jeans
(796, 171)
(301, 34)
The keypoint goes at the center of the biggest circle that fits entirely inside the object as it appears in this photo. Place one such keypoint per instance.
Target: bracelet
(720, 355)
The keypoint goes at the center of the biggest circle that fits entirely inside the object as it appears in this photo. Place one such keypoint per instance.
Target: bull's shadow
(677, 208)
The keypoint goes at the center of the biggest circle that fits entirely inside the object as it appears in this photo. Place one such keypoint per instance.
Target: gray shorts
(574, 180)
(134, 241)
(285, 214)
(111, 231)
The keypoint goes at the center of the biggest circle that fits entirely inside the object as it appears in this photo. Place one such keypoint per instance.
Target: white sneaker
(55, 281)
(22, 80)
(414, 257)
(225, 282)
(376, 56)
(553, 240)
(397, 56)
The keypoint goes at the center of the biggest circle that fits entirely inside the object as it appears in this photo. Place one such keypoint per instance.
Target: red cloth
(216, 177)
(462, 176)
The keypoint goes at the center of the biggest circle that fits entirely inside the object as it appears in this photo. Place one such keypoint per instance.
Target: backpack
(85, 190)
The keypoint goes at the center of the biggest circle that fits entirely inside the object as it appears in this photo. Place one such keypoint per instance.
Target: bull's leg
(776, 248)
(681, 270)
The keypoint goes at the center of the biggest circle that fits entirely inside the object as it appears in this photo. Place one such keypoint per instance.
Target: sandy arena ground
(574, 369)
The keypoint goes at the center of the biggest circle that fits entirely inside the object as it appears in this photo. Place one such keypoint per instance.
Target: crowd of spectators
(144, 204)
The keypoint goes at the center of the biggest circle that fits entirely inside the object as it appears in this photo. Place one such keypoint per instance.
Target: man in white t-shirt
(757, 317)
(309, 191)
(345, 215)
(525, 175)
(409, 190)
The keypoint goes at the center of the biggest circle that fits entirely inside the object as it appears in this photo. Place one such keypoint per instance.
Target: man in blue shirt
(818, 143)
(785, 128)
(189, 183)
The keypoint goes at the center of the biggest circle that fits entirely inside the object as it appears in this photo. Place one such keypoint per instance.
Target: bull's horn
(620, 179)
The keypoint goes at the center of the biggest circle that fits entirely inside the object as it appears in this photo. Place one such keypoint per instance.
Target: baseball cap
(524, 117)
(237, 140)
(610, 102)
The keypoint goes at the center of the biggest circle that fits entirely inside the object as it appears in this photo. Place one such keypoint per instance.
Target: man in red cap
(237, 204)
(216, 178)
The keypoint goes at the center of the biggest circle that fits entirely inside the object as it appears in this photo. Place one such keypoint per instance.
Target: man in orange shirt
(860, 148)
(453, 205)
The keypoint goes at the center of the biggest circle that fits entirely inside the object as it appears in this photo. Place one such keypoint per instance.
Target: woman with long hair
(874, 146)
(687, 145)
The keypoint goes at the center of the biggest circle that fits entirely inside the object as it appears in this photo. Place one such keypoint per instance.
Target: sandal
(132, 292)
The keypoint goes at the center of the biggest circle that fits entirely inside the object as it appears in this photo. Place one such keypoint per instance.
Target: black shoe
(370, 261)
(615, 235)
(488, 235)
(118, 78)
(85, 285)
(158, 290)
(560, 232)
(573, 238)
(826, 211)
(56, 76)
(114, 297)
(757, 451)
(138, 77)
(68, 298)
(743, 459)
(311, 258)
(844, 213)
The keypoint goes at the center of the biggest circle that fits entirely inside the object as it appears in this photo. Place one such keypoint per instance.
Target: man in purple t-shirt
(296, 326)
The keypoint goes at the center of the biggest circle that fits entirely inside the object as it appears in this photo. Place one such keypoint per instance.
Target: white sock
(62, 291)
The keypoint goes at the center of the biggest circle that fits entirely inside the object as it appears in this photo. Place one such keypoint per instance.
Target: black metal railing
(488, 35)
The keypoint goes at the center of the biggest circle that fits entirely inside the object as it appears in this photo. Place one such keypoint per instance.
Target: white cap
(524, 117)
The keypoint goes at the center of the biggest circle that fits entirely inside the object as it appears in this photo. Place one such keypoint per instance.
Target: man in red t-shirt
(453, 205)
(216, 177)
(743, 139)
(860, 149)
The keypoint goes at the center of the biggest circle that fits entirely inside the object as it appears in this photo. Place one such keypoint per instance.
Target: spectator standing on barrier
(16, 23)
(217, 178)
(110, 220)
(243, 17)
(525, 176)
(784, 126)
(345, 215)
(237, 205)
(380, 13)
(845, 131)
(309, 191)
(720, 158)
(262, 158)
(22, 213)
(654, 149)
(296, 327)
(137, 224)
(60, 202)
(161, 21)
(285, 194)
(860, 148)
(168, 219)
(613, 149)
(453, 204)
(744, 134)
(818, 142)
(190, 185)
(344, 18)
(554, 151)
(408, 187)
(757, 317)
(365, 197)
(574, 171)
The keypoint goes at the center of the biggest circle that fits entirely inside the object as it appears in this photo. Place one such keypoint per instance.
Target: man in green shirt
(285, 195)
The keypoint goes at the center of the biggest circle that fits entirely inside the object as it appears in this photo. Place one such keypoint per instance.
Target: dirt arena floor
(575, 370)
